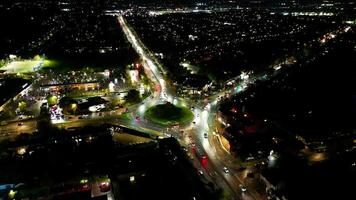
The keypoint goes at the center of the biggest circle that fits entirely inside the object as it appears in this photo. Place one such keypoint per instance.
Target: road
(204, 112)
(163, 93)
(228, 181)
(13, 129)
(204, 120)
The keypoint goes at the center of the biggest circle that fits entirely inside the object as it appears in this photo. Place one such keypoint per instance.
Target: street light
(111, 86)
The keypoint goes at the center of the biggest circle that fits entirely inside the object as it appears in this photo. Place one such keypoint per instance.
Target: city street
(216, 162)
(199, 137)
(205, 116)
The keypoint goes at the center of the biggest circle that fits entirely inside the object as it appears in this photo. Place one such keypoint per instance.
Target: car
(20, 124)
(250, 174)
(226, 170)
(200, 172)
(242, 168)
(205, 135)
(84, 187)
(243, 188)
(104, 187)
(250, 158)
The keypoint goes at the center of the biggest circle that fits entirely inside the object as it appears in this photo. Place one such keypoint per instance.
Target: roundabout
(169, 114)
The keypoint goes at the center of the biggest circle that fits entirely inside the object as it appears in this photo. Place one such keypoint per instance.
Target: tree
(65, 101)
(22, 105)
(52, 100)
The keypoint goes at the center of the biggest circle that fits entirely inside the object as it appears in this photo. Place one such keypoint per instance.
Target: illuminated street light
(132, 179)
(272, 159)
(21, 151)
(11, 56)
(111, 87)
(244, 76)
(142, 89)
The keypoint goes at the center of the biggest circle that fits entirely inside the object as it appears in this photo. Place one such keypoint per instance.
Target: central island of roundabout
(168, 114)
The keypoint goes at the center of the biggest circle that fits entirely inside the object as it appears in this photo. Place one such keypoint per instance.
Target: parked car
(243, 188)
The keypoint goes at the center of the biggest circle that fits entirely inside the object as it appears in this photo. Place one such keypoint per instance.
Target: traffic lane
(226, 159)
(216, 170)
(220, 160)
(148, 63)
(14, 129)
(234, 182)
